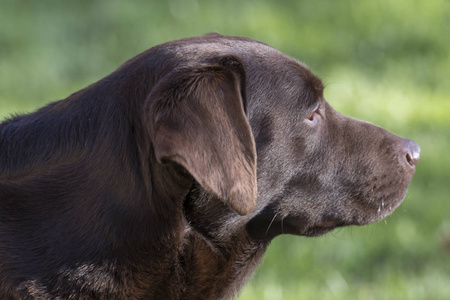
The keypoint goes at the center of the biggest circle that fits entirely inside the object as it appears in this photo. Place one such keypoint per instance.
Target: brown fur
(168, 178)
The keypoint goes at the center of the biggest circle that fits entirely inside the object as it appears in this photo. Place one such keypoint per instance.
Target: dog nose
(412, 150)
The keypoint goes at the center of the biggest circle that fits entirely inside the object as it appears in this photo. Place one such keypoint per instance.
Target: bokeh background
(383, 61)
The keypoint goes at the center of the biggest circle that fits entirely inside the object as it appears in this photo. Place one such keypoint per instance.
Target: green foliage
(383, 61)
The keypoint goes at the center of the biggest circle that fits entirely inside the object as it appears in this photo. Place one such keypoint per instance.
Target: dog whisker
(273, 219)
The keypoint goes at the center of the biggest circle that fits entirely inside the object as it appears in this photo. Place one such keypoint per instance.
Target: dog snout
(411, 151)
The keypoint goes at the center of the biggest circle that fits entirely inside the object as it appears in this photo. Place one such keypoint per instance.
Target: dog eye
(311, 116)
(314, 114)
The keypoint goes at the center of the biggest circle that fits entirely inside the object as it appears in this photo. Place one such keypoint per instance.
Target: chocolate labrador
(168, 178)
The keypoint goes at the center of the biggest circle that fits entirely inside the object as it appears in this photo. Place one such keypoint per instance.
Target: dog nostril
(412, 153)
(410, 160)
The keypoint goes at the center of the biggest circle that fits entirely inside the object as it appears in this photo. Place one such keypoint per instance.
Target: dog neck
(217, 248)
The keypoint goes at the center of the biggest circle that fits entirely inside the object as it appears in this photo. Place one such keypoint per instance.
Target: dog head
(319, 169)
(228, 101)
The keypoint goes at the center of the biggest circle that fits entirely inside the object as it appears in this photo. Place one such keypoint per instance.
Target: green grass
(383, 61)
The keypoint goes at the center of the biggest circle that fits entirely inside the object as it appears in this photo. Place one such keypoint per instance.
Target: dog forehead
(209, 46)
(268, 70)
(254, 54)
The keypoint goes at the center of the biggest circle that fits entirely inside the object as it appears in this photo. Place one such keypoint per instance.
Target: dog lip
(326, 224)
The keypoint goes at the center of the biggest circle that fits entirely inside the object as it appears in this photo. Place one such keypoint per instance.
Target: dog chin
(368, 217)
(316, 231)
(384, 209)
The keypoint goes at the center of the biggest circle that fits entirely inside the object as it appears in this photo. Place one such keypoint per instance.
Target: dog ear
(197, 120)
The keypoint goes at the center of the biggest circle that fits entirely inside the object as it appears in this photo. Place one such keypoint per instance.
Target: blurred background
(383, 61)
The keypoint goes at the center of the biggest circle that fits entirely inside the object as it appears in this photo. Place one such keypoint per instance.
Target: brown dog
(168, 178)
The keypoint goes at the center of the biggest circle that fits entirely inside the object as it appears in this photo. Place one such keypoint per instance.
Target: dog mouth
(326, 224)
(297, 225)
(359, 215)
(323, 227)
(355, 211)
